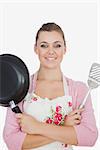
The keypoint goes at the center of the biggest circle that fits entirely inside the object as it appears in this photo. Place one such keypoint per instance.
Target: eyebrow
(53, 42)
(43, 42)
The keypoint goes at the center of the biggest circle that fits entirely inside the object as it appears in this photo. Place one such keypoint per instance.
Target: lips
(50, 58)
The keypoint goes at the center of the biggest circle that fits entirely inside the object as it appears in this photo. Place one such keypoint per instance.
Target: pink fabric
(12, 134)
(86, 132)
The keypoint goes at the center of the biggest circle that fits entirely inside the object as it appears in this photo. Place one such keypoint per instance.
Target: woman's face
(50, 49)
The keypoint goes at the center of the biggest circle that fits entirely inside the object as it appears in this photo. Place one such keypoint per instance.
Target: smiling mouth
(50, 58)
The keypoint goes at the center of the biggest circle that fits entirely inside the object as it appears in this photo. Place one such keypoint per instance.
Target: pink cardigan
(86, 131)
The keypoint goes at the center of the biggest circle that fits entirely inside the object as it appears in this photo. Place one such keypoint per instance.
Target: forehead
(50, 37)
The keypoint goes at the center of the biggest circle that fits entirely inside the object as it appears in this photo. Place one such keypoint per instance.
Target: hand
(28, 123)
(73, 118)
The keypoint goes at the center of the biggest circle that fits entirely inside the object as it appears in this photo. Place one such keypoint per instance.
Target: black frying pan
(14, 81)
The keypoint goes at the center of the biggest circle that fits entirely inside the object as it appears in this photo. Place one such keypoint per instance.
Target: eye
(44, 45)
(57, 45)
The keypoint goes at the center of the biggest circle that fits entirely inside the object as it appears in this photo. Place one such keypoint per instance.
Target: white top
(50, 111)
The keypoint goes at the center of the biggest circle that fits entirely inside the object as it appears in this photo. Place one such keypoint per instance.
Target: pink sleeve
(12, 134)
(86, 131)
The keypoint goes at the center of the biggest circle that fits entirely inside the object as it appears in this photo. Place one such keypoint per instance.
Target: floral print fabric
(51, 112)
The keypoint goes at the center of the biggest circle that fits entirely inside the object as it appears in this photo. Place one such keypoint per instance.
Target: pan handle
(14, 107)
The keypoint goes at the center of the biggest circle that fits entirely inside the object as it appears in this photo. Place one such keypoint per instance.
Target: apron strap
(65, 85)
(33, 79)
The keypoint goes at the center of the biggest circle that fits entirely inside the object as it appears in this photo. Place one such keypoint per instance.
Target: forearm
(33, 141)
(65, 134)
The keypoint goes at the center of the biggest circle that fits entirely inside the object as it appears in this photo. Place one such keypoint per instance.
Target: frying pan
(14, 81)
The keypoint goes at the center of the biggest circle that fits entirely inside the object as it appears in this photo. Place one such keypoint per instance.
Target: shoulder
(76, 85)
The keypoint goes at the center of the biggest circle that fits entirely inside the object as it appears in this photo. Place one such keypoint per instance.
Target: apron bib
(49, 111)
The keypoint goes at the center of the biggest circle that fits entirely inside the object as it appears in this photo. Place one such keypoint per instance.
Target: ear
(35, 49)
(65, 49)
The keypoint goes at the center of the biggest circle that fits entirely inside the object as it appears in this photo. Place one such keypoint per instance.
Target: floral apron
(50, 111)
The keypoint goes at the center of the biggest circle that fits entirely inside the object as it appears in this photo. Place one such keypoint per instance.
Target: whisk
(93, 80)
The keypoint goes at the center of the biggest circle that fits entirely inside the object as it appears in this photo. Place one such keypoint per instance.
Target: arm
(15, 138)
(86, 131)
(65, 134)
(71, 119)
(34, 141)
(12, 135)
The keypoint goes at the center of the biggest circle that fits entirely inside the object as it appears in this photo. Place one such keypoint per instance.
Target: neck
(49, 74)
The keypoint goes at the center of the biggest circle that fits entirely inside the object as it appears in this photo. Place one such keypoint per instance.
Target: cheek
(41, 56)
(40, 53)
(60, 55)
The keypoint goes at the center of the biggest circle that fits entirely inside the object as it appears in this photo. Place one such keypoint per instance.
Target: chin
(51, 66)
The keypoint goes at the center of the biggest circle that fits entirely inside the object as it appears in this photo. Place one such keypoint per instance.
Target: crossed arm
(39, 134)
(86, 129)
(34, 141)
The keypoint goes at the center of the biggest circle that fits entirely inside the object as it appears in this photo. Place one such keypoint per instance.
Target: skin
(50, 49)
(50, 45)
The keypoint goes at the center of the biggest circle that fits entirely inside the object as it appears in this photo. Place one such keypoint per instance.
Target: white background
(19, 22)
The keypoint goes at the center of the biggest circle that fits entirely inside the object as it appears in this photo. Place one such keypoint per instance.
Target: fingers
(74, 117)
(77, 111)
(81, 110)
(76, 122)
(19, 115)
(77, 116)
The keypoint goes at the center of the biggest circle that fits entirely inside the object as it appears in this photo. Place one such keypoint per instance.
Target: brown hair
(50, 27)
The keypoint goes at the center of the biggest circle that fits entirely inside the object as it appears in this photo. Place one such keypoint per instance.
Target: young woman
(51, 119)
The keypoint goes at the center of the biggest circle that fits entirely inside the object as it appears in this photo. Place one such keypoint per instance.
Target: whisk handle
(85, 98)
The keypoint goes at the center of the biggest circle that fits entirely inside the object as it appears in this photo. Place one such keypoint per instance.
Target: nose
(51, 50)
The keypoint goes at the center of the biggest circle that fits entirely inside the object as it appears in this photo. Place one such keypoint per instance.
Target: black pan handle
(14, 107)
